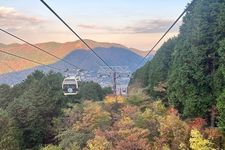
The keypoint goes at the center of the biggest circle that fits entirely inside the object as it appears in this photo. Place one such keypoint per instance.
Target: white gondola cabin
(70, 86)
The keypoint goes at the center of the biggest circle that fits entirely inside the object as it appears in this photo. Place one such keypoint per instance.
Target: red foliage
(159, 143)
(129, 111)
(172, 111)
(135, 139)
(197, 123)
(215, 136)
(133, 143)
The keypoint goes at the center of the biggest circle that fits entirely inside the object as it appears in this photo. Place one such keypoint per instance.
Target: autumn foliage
(117, 124)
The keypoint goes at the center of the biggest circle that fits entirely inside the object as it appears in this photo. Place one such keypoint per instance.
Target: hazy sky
(134, 23)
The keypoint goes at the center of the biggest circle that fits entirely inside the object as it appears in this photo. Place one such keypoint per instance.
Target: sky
(133, 23)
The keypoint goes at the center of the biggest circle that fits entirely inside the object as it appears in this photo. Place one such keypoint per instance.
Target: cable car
(70, 85)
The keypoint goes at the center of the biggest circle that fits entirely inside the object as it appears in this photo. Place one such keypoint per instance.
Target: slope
(195, 79)
(58, 49)
(84, 59)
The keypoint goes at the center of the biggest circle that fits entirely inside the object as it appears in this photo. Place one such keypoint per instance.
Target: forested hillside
(29, 110)
(34, 115)
(175, 102)
(188, 71)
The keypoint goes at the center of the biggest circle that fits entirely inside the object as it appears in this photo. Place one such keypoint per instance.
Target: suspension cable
(33, 61)
(38, 48)
(181, 15)
(76, 34)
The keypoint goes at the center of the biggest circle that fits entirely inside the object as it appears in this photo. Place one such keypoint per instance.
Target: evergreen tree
(91, 91)
(192, 64)
(141, 76)
(35, 109)
(5, 98)
(155, 72)
(10, 136)
(195, 59)
(219, 82)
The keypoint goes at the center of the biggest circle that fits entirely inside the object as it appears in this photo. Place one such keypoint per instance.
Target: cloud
(99, 28)
(153, 26)
(14, 20)
(143, 26)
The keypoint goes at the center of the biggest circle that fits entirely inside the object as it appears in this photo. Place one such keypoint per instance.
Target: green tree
(5, 98)
(106, 91)
(190, 67)
(219, 82)
(35, 109)
(141, 75)
(195, 59)
(51, 147)
(91, 91)
(10, 136)
(155, 73)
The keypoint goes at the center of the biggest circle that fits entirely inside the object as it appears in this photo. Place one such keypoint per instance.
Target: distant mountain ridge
(84, 59)
(59, 49)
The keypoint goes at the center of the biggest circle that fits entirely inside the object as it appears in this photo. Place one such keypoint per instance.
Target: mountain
(2, 45)
(114, 56)
(140, 52)
(59, 49)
